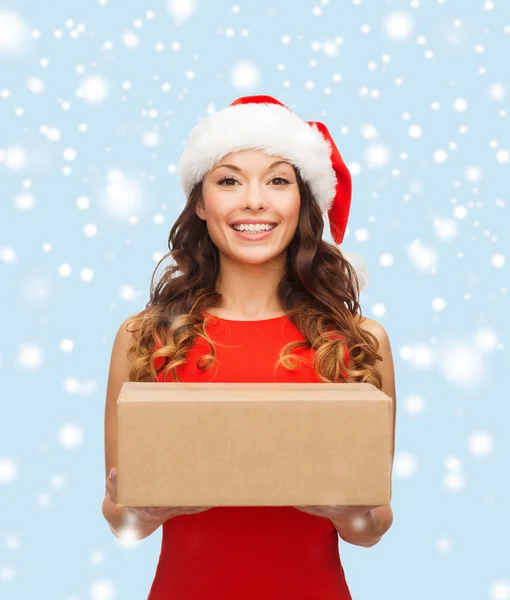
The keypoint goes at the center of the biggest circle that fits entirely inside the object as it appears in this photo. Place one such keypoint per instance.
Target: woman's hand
(150, 514)
(338, 514)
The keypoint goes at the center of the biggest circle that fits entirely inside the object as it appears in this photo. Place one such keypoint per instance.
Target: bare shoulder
(126, 330)
(125, 336)
(372, 326)
(385, 364)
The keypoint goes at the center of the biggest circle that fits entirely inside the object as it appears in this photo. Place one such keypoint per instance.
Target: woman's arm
(122, 521)
(384, 366)
(381, 518)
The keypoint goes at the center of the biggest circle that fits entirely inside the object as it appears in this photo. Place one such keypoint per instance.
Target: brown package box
(253, 444)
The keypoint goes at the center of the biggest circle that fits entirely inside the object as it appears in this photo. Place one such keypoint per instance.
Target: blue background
(444, 304)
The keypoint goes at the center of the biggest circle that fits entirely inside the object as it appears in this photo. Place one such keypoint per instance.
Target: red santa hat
(264, 123)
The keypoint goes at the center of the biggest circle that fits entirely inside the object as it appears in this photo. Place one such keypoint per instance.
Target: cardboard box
(253, 444)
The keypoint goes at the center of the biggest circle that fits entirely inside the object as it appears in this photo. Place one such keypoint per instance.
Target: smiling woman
(255, 294)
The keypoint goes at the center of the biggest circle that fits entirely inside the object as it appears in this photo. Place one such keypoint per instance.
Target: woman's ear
(199, 208)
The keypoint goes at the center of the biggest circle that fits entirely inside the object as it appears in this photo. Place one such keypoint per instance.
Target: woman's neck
(249, 291)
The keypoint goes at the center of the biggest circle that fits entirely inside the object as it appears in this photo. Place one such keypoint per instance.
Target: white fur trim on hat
(269, 127)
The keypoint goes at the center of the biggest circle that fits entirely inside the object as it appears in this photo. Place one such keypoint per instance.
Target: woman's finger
(111, 488)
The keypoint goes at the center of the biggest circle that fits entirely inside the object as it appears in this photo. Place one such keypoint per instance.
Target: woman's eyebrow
(271, 166)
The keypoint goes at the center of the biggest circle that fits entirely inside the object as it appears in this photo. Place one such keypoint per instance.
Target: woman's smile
(253, 236)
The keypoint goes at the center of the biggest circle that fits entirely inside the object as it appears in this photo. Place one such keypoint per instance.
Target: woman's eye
(281, 179)
(226, 179)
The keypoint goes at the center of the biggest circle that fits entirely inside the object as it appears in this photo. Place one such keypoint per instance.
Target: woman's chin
(254, 256)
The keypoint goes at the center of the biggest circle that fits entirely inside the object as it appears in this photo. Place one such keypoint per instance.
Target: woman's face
(245, 186)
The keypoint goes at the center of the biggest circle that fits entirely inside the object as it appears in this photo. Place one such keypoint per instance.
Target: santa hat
(264, 123)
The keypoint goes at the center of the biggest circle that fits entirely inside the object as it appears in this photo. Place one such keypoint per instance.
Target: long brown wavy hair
(319, 292)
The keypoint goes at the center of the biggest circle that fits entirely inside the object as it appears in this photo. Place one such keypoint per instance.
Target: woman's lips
(253, 237)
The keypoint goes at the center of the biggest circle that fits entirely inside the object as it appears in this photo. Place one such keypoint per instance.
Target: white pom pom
(359, 266)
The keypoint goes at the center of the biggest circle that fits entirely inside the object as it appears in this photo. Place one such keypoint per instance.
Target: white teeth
(254, 228)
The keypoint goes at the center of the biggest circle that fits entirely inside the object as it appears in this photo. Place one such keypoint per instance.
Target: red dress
(252, 552)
